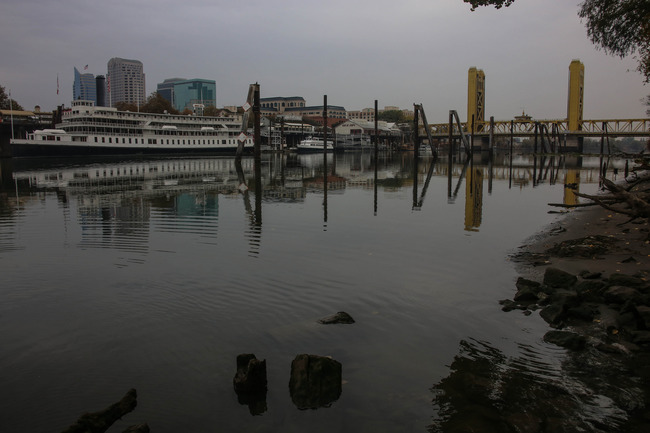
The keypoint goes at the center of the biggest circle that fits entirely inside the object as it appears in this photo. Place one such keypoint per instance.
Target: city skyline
(355, 53)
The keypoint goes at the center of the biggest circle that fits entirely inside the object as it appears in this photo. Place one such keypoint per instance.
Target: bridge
(569, 131)
(526, 128)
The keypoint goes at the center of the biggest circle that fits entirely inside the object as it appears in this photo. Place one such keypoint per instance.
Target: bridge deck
(525, 128)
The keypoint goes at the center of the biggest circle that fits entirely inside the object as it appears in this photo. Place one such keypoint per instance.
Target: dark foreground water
(156, 274)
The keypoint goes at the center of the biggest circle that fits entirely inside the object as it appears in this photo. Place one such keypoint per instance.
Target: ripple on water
(529, 387)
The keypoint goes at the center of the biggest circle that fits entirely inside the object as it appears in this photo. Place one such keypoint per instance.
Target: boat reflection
(183, 195)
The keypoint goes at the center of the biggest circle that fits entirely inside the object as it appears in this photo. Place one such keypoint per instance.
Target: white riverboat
(89, 130)
(314, 144)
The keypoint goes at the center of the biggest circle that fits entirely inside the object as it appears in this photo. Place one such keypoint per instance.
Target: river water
(155, 274)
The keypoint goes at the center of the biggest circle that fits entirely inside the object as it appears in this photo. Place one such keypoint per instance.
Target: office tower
(125, 81)
(84, 87)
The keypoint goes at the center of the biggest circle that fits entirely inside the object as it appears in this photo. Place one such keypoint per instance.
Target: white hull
(314, 145)
(87, 130)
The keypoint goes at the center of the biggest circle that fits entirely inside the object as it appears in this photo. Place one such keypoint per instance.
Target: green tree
(157, 104)
(126, 106)
(619, 27)
(6, 103)
(211, 111)
(395, 116)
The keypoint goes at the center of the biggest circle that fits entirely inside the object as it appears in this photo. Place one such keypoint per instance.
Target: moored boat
(314, 144)
(89, 130)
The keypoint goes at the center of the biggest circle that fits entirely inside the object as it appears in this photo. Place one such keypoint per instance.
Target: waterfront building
(278, 105)
(84, 86)
(366, 114)
(126, 81)
(317, 111)
(194, 92)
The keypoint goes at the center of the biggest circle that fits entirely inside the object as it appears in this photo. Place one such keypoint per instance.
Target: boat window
(103, 140)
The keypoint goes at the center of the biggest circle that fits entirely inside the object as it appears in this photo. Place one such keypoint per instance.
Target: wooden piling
(491, 143)
(416, 130)
(325, 129)
(376, 128)
(256, 121)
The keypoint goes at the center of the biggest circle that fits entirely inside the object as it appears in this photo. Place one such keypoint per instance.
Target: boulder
(590, 290)
(340, 317)
(523, 283)
(553, 314)
(644, 315)
(315, 381)
(526, 294)
(625, 280)
(558, 278)
(621, 294)
(566, 339)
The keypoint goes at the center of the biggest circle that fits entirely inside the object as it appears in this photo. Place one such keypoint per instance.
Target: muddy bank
(587, 275)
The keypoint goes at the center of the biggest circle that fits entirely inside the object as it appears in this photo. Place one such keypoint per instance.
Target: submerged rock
(315, 381)
(340, 317)
(566, 339)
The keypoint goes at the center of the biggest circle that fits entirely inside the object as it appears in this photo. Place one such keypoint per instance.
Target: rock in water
(251, 374)
(250, 383)
(340, 317)
(315, 381)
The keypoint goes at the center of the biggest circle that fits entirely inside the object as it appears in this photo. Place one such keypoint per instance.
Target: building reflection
(118, 203)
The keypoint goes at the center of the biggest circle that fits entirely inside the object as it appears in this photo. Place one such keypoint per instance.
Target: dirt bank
(587, 275)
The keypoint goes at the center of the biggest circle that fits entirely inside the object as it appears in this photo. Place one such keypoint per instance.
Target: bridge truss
(528, 128)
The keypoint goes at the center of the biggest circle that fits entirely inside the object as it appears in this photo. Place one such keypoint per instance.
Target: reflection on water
(156, 273)
(488, 391)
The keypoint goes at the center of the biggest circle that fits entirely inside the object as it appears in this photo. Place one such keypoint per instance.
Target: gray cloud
(414, 51)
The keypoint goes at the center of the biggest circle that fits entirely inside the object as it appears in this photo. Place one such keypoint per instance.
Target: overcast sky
(353, 51)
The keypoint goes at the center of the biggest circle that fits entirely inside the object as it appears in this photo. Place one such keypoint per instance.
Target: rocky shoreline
(588, 278)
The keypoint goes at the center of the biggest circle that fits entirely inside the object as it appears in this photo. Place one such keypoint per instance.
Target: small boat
(314, 144)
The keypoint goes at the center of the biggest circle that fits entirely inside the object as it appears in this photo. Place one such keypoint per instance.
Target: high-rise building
(125, 81)
(100, 82)
(84, 87)
(166, 88)
(196, 91)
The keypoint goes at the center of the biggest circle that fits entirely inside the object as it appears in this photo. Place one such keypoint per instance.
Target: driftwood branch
(99, 422)
(623, 199)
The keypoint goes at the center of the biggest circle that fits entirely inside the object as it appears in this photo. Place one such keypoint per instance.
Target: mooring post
(256, 121)
(416, 131)
(512, 135)
(602, 140)
(376, 128)
(325, 130)
(491, 143)
(451, 152)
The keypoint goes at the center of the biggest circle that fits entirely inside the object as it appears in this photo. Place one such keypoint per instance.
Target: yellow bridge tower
(475, 98)
(576, 94)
